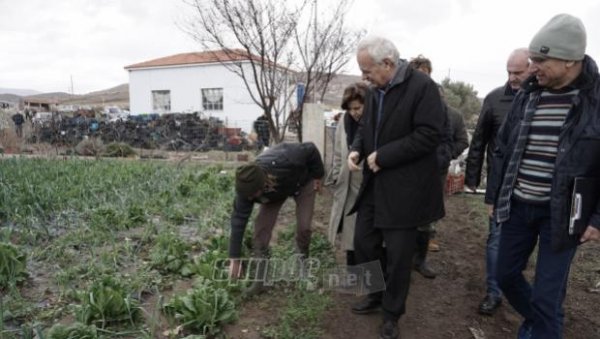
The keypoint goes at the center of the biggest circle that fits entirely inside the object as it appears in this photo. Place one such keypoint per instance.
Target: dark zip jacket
(495, 106)
(578, 150)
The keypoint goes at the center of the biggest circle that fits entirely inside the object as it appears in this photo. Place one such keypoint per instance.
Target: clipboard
(585, 195)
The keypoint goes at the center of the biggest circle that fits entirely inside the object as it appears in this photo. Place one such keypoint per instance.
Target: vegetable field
(114, 248)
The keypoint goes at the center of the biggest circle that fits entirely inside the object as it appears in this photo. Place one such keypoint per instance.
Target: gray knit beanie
(563, 37)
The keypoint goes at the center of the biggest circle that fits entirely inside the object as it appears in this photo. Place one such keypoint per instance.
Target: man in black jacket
(550, 136)
(454, 141)
(402, 127)
(285, 170)
(17, 118)
(495, 106)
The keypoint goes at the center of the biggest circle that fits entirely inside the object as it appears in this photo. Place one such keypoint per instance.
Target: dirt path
(445, 307)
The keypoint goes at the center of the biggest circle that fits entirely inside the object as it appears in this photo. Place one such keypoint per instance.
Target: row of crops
(118, 249)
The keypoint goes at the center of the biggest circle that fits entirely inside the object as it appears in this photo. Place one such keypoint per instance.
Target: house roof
(196, 58)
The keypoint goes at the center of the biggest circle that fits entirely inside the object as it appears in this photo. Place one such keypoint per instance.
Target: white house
(193, 82)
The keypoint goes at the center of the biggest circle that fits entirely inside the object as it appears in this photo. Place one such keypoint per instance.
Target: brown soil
(445, 307)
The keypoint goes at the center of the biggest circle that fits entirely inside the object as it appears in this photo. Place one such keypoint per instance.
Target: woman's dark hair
(420, 61)
(356, 91)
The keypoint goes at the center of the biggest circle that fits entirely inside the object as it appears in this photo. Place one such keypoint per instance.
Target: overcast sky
(44, 44)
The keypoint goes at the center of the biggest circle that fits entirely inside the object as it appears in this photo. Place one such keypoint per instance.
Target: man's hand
(318, 184)
(591, 233)
(235, 268)
(372, 162)
(353, 161)
(490, 210)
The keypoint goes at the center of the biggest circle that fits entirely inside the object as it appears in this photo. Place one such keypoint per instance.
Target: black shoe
(389, 330)
(425, 270)
(489, 305)
(366, 306)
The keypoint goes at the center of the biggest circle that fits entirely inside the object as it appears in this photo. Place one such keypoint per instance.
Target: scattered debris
(185, 132)
(477, 332)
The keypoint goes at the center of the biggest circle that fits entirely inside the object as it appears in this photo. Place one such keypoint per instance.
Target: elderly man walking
(550, 137)
(402, 125)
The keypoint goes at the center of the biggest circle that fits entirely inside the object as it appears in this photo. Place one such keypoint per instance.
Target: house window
(212, 99)
(161, 101)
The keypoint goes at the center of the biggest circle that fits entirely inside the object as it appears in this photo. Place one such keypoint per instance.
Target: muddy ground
(445, 307)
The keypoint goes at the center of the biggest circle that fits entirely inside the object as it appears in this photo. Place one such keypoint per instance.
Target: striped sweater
(534, 177)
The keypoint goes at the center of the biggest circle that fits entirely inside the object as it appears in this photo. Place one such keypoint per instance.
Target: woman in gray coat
(344, 183)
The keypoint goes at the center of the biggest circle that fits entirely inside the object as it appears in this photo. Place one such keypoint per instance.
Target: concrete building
(194, 82)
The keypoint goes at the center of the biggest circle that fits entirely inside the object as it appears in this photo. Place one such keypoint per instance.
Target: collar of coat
(402, 73)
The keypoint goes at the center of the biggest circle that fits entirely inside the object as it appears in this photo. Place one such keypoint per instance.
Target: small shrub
(119, 149)
(13, 265)
(90, 147)
(203, 308)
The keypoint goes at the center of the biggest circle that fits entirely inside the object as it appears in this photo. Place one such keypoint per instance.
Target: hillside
(118, 96)
(114, 96)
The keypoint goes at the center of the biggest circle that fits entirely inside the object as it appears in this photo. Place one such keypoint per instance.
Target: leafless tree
(324, 45)
(268, 39)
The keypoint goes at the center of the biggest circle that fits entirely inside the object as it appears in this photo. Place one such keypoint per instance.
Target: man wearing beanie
(550, 137)
(285, 170)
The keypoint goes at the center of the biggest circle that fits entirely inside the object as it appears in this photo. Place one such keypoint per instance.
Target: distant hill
(117, 96)
(114, 96)
(13, 98)
(17, 91)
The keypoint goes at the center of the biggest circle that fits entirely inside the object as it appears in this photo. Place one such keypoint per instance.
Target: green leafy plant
(13, 265)
(74, 331)
(169, 254)
(108, 302)
(203, 308)
(205, 264)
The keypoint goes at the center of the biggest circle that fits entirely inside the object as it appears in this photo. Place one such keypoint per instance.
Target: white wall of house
(185, 84)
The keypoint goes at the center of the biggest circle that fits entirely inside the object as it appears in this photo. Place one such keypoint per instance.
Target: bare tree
(262, 30)
(265, 41)
(324, 45)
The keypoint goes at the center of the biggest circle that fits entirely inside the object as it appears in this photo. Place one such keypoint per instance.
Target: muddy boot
(259, 266)
(420, 258)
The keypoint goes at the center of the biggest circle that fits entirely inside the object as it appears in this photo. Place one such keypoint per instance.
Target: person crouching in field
(285, 170)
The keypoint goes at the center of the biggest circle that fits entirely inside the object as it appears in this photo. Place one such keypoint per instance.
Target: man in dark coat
(285, 170)
(495, 106)
(550, 137)
(402, 127)
(263, 134)
(454, 141)
(17, 118)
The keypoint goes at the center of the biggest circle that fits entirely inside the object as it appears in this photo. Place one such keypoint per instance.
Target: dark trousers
(267, 216)
(491, 259)
(541, 303)
(399, 249)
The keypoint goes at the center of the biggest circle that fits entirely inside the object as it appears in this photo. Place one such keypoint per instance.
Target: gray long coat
(345, 186)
